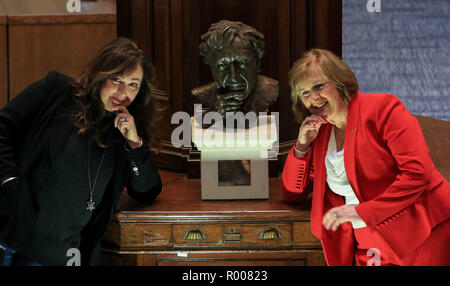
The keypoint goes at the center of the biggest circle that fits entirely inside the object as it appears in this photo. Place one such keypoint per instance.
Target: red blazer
(402, 195)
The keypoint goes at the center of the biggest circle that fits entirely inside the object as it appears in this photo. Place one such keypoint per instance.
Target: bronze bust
(233, 51)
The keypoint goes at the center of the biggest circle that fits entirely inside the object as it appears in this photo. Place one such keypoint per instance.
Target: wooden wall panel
(40, 43)
(3, 62)
(326, 25)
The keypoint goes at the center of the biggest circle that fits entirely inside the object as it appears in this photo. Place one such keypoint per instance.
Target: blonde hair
(335, 71)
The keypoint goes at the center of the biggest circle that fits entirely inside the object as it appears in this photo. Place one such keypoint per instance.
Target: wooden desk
(181, 229)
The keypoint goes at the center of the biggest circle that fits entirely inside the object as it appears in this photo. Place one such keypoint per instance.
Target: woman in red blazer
(377, 199)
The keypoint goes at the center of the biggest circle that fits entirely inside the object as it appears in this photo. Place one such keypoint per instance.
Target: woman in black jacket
(68, 147)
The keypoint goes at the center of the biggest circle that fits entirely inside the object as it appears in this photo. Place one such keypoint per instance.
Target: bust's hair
(221, 35)
(118, 57)
(336, 71)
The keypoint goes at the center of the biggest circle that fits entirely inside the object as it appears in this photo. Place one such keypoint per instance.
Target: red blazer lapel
(320, 176)
(338, 246)
(351, 133)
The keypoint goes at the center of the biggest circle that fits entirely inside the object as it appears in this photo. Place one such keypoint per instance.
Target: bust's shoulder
(205, 92)
(267, 87)
(264, 80)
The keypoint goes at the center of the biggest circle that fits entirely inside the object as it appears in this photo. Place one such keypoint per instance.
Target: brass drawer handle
(270, 233)
(194, 234)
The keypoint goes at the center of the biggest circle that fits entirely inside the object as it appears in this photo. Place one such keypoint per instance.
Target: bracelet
(141, 142)
(12, 179)
(303, 152)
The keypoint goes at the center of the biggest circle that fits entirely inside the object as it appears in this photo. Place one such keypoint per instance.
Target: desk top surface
(181, 197)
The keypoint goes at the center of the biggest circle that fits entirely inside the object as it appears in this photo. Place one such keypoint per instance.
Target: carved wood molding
(106, 18)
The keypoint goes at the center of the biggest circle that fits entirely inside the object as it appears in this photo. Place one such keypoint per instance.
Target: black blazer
(40, 115)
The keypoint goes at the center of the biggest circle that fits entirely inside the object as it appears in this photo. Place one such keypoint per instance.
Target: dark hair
(221, 35)
(118, 57)
(334, 69)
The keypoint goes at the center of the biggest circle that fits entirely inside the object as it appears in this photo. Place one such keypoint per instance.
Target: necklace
(341, 145)
(90, 204)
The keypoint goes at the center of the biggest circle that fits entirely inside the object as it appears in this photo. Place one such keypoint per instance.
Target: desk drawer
(135, 235)
(253, 235)
(208, 235)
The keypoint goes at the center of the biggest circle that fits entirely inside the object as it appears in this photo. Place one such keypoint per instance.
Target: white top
(337, 177)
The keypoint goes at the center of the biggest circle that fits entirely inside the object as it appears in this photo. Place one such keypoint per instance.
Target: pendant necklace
(341, 145)
(90, 204)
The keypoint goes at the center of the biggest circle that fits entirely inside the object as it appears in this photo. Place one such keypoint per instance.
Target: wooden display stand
(220, 147)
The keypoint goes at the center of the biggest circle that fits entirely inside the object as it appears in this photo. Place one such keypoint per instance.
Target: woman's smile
(118, 101)
(320, 105)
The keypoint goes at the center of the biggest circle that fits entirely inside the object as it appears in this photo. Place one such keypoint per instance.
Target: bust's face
(235, 71)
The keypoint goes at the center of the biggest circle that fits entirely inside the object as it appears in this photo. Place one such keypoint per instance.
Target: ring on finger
(123, 119)
(336, 216)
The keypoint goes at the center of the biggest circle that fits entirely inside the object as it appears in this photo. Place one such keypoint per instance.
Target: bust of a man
(233, 51)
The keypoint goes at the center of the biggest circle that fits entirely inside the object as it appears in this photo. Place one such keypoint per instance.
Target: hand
(124, 121)
(230, 102)
(339, 215)
(308, 131)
